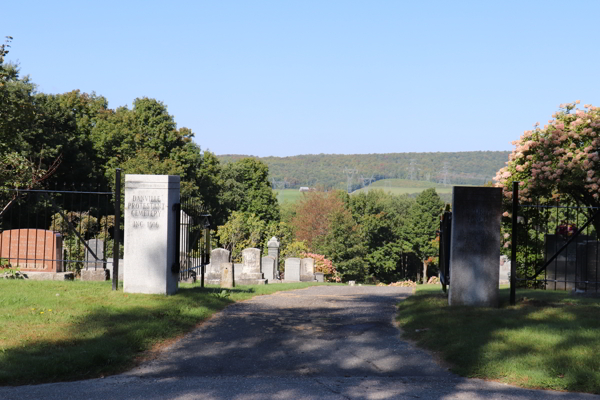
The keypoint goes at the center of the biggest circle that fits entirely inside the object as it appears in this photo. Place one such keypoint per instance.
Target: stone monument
(268, 268)
(250, 273)
(213, 270)
(94, 268)
(307, 269)
(273, 251)
(150, 234)
(227, 275)
(475, 246)
(292, 270)
(32, 250)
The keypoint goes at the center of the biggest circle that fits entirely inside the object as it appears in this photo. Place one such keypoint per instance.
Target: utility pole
(350, 172)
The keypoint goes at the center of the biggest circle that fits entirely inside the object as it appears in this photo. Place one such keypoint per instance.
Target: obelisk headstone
(273, 251)
(150, 234)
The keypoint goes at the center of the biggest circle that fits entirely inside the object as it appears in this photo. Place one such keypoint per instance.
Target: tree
(560, 159)
(383, 219)
(242, 230)
(424, 222)
(246, 188)
(344, 246)
(311, 222)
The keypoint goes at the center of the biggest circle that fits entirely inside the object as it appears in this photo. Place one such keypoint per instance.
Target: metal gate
(555, 246)
(193, 240)
(53, 230)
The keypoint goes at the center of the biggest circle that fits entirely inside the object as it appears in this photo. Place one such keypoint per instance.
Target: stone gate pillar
(150, 234)
(475, 246)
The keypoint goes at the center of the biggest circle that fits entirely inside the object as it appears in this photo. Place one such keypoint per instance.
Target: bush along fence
(554, 245)
(61, 232)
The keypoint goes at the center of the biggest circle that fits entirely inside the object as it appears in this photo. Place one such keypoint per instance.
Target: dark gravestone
(97, 247)
(575, 267)
(475, 246)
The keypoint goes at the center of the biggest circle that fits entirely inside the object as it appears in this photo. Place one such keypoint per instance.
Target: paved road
(327, 342)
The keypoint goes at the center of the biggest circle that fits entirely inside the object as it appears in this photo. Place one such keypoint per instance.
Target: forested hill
(332, 170)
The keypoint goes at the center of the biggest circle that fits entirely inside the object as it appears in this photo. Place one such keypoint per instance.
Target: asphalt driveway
(325, 342)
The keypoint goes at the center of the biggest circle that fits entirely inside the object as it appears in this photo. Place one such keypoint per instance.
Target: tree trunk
(424, 271)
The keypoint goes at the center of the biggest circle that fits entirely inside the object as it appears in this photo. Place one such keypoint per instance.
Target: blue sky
(303, 77)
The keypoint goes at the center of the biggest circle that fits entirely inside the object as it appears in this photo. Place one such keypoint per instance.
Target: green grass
(60, 331)
(393, 186)
(405, 186)
(288, 195)
(549, 340)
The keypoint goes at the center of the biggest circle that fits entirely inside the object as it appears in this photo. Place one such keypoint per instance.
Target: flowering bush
(562, 157)
(559, 162)
(325, 266)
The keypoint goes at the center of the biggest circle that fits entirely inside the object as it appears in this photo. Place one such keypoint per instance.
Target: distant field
(405, 186)
(393, 186)
(288, 195)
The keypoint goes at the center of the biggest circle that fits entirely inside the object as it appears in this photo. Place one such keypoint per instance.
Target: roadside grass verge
(549, 340)
(62, 331)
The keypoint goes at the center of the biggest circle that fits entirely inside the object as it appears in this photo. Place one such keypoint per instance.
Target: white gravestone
(273, 251)
(227, 275)
(268, 268)
(307, 270)
(213, 270)
(292, 270)
(250, 273)
(150, 234)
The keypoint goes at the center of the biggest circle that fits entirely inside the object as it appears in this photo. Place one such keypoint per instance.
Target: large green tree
(246, 188)
(384, 219)
(424, 222)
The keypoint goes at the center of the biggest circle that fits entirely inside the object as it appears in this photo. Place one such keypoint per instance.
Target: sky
(283, 78)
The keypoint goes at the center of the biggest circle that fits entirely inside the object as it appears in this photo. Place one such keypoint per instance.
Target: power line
(350, 172)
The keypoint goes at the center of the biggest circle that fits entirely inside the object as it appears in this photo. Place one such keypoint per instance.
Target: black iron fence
(554, 246)
(193, 239)
(60, 230)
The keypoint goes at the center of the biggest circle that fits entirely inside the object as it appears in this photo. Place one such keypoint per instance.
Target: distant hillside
(337, 170)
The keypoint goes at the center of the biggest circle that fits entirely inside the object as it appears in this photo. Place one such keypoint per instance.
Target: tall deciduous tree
(246, 188)
(312, 220)
(424, 222)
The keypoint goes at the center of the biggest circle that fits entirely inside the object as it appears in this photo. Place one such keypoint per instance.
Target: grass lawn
(61, 331)
(288, 195)
(549, 340)
(405, 186)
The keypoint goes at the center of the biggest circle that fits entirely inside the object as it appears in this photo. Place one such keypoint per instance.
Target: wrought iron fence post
(117, 232)
(513, 244)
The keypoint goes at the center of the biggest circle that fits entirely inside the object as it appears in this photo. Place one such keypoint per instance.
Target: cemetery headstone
(97, 246)
(475, 246)
(307, 270)
(573, 266)
(251, 268)
(35, 250)
(227, 275)
(292, 269)
(320, 277)
(268, 268)
(273, 251)
(504, 278)
(150, 234)
(213, 270)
